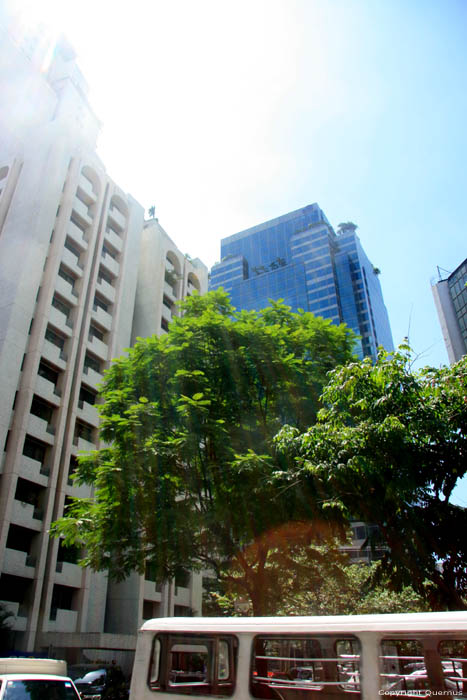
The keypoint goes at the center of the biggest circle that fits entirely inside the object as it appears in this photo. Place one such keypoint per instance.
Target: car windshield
(40, 689)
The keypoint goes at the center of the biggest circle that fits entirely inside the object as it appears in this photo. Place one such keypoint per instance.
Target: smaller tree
(389, 447)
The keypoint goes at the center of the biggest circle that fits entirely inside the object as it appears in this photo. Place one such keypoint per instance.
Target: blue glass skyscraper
(299, 258)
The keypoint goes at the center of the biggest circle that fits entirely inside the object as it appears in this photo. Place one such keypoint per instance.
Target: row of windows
(315, 280)
(282, 665)
(317, 251)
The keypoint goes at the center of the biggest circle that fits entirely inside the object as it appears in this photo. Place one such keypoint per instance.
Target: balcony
(118, 218)
(110, 264)
(166, 313)
(54, 354)
(88, 413)
(34, 470)
(66, 290)
(82, 491)
(114, 240)
(85, 186)
(99, 348)
(169, 291)
(182, 596)
(108, 292)
(18, 563)
(72, 262)
(60, 321)
(103, 318)
(47, 390)
(91, 377)
(26, 515)
(63, 620)
(83, 445)
(77, 236)
(20, 621)
(68, 574)
(39, 428)
(82, 210)
(150, 592)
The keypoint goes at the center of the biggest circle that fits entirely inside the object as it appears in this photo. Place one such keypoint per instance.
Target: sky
(224, 114)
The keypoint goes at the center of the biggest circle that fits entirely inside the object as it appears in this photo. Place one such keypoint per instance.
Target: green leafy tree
(355, 589)
(188, 419)
(389, 447)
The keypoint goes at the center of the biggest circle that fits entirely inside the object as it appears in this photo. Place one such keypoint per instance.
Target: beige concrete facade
(71, 290)
(165, 276)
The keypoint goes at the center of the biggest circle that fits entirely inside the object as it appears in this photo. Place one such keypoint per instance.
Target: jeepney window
(453, 653)
(348, 665)
(403, 667)
(193, 664)
(223, 661)
(155, 662)
(286, 665)
(189, 663)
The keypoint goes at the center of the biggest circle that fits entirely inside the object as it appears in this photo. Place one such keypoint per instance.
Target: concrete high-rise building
(450, 296)
(71, 291)
(299, 258)
(165, 276)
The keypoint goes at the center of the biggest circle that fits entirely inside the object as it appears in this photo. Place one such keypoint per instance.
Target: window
(70, 554)
(48, 372)
(63, 598)
(55, 338)
(84, 431)
(167, 302)
(403, 665)
(61, 306)
(66, 276)
(110, 253)
(91, 362)
(104, 275)
(87, 395)
(193, 664)
(69, 245)
(73, 466)
(100, 303)
(34, 449)
(150, 609)
(95, 332)
(28, 492)
(453, 654)
(182, 578)
(304, 665)
(42, 409)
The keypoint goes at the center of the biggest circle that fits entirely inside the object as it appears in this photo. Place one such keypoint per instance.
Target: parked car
(100, 682)
(35, 679)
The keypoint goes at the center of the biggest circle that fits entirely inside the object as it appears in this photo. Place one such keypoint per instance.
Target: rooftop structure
(299, 258)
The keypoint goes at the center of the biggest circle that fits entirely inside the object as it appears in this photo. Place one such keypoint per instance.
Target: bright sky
(227, 113)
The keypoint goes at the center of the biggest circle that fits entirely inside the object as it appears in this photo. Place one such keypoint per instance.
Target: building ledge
(93, 640)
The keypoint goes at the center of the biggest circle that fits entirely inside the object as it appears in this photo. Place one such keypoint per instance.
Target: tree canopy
(185, 476)
(389, 446)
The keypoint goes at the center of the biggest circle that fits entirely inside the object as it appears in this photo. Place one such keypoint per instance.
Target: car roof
(33, 677)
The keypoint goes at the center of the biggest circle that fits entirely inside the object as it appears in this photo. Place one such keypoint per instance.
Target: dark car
(100, 682)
